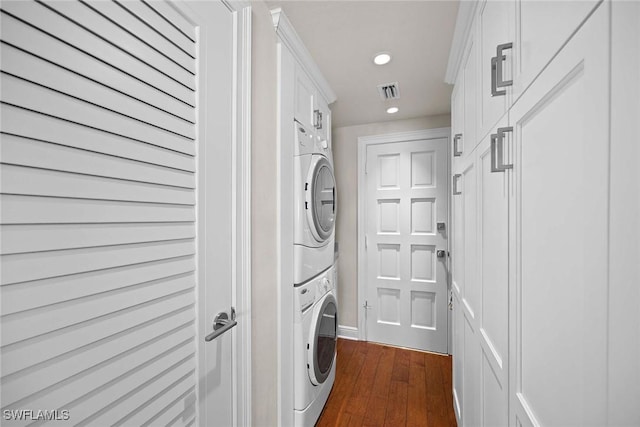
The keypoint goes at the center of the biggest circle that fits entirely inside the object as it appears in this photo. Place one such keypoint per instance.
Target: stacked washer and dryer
(315, 275)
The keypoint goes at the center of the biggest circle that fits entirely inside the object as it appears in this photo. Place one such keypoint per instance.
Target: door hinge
(366, 242)
(450, 300)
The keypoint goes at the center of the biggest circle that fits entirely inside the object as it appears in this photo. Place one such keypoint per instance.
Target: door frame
(363, 143)
(241, 221)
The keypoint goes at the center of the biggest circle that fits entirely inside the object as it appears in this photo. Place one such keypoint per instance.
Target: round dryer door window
(323, 345)
(322, 198)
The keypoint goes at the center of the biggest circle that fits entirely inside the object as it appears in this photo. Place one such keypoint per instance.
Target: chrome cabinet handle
(456, 138)
(456, 180)
(317, 118)
(496, 71)
(494, 83)
(494, 157)
(499, 58)
(497, 150)
(222, 324)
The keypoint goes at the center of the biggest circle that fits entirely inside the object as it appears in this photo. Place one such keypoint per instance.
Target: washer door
(324, 335)
(321, 198)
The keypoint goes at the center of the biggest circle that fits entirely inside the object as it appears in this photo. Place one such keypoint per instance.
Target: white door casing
(106, 205)
(401, 280)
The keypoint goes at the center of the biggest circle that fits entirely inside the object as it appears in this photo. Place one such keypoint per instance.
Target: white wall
(345, 155)
(264, 218)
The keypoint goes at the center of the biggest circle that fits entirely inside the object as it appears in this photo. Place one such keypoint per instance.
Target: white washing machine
(315, 339)
(315, 205)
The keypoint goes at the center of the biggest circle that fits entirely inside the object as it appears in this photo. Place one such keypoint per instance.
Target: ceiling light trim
(382, 58)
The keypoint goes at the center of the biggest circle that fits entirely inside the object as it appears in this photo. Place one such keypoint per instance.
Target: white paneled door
(117, 212)
(406, 301)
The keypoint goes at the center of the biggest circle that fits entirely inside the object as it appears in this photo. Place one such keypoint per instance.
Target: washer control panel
(306, 296)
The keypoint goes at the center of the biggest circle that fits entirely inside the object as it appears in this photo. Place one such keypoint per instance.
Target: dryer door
(321, 198)
(324, 335)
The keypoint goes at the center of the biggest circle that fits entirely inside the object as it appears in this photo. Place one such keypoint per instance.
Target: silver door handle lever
(222, 324)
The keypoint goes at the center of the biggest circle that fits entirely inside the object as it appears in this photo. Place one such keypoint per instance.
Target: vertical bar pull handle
(494, 152)
(500, 154)
(494, 79)
(500, 57)
(456, 182)
(456, 141)
(497, 150)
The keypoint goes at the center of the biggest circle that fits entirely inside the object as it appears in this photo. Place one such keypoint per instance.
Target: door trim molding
(363, 143)
(242, 204)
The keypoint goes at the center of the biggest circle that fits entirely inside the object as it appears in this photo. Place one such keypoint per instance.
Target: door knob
(221, 324)
(440, 253)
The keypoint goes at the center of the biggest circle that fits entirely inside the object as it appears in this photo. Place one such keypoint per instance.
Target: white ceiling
(343, 36)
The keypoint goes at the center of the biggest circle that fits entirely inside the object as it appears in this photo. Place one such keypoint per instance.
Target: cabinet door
(470, 78)
(304, 99)
(466, 286)
(542, 27)
(494, 24)
(493, 259)
(457, 120)
(559, 336)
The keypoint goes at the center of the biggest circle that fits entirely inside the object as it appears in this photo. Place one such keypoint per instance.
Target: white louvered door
(112, 228)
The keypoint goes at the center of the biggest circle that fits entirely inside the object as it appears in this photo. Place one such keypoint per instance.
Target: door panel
(561, 143)
(406, 281)
(542, 28)
(494, 27)
(101, 206)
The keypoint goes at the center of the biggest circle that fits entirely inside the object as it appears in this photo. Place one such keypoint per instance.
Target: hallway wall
(345, 154)
(264, 218)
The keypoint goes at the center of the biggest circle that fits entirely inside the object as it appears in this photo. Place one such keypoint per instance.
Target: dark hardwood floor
(378, 385)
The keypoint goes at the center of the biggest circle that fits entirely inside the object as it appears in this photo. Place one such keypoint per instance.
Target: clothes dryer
(315, 205)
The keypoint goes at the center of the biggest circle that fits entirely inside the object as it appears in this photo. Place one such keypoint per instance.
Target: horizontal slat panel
(103, 375)
(38, 126)
(37, 238)
(29, 324)
(64, 343)
(32, 40)
(28, 95)
(183, 420)
(30, 295)
(29, 152)
(50, 372)
(42, 182)
(20, 267)
(168, 406)
(149, 401)
(42, 72)
(128, 21)
(49, 210)
(41, 17)
(159, 25)
(147, 376)
(170, 14)
(95, 23)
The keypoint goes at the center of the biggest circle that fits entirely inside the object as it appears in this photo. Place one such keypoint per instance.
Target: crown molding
(464, 23)
(292, 41)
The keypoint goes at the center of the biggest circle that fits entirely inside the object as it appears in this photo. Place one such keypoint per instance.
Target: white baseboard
(348, 332)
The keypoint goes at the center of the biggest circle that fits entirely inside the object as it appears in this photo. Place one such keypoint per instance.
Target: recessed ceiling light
(392, 110)
(382, 58)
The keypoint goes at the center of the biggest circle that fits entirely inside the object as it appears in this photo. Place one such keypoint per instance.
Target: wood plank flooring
(378, 385)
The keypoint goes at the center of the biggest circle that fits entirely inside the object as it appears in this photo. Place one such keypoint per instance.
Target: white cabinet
(494, 28)
(530, 219)
(311, 109)
(305, 93)
(561, 143)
